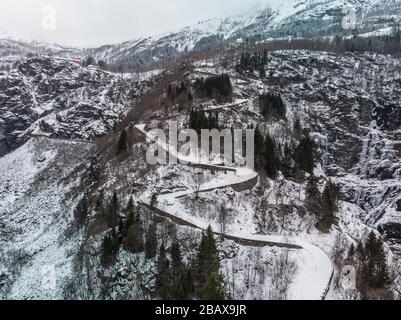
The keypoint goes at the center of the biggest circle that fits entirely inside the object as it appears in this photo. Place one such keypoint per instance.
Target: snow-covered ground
(37, 238)
(314, 266)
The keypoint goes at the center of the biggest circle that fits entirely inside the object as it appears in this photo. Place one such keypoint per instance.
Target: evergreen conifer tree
(151, 242)
(122, 145)
(162, 278)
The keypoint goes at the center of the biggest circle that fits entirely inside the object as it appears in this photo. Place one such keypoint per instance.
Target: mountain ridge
(310, 18)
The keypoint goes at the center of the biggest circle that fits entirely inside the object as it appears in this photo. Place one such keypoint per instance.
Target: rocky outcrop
(64, 100)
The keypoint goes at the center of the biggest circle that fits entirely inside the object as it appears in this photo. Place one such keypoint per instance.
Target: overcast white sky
(95, 22)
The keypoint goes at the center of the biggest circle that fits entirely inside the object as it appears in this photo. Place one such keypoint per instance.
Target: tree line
(196, 279)
(272, 105)
(174, 278)
(324, 205)
(218, 87)
(127, 231)
(199, 119)
(290, 159)
(373, 276)
(253, 62)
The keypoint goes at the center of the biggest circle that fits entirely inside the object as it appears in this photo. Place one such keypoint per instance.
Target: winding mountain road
(315, 273)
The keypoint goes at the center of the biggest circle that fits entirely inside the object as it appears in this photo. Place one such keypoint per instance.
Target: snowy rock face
(62, 99)
(351, 102)
(40, 186)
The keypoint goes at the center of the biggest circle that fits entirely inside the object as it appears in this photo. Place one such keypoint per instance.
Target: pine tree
(262, 72)
(373, 270)
(112, 216)
(272, 160)
(82, 210)
(129, 209)
(121, 231)
(177, 266)
(214, 289)
(130, 214)
(304, 155)
(122, 145)
(313, 196)
(162, 278)
(186, 285)
(312, 189)
(133, 241)
(151, 242)
(329, 207)
(260, 151)
(360, 251)
(382, 278)
(109, 248)
(153, 200)
(287, 162)
(207, 262)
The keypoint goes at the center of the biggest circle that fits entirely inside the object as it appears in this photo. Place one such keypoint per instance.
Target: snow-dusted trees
(272, 157)
(109, 248)
(223, 217)
(199, 279)
(304, 154)
(89, 61)
(255, 62)
(267, 154)
(329, 207)
(151, 242)
(271, 105)
(110, 212)
(373, 276)
(208, 280)
(282, 273)
(133, 231)
(133, 241)
(162, 278)
(218, 87)
(122, 145)
(323, 205)
(313, 196)
(199, 120)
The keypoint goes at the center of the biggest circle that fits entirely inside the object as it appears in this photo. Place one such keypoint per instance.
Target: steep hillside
(292, 18)
(46, 96)
(85, 215)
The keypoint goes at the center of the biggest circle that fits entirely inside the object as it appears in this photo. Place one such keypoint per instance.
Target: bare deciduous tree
(223, 217)
(282, 273)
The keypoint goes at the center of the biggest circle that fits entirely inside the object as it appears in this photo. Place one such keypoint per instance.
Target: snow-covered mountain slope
(288, 18)
(334, 96)
(314, 270)
(11, 46)
(61, 99)
(350, 103)
(295, 18)
(196, 37)
(39, 189)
